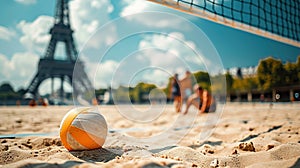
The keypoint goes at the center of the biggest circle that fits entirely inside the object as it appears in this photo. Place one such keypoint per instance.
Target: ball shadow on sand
(98, 155)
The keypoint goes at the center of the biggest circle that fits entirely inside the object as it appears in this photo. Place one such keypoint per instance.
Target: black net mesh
(280, 17)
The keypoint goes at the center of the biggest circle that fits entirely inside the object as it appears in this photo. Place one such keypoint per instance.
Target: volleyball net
(275, 19)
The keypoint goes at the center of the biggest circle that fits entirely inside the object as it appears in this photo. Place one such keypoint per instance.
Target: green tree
(229, 81)
(269, 73)
(167, 90)
(6, 87)
(291, 76)
(202, 77)
(121, 95)
(136, 94)
(21, 91)
(245, 84)
(140, 92)
(7, 92)
(218, 84)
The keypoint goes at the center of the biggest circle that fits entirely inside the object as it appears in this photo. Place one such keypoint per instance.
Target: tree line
(270, 73)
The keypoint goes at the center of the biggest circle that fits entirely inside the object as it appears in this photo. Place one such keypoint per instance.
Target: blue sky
(167, 47)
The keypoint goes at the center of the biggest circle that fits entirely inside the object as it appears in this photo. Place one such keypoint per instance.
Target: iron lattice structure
(275, 19)
(51, 67)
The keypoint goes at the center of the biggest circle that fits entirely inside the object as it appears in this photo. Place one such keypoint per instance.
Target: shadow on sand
(254, 136)
(90, 156)
(98, 155)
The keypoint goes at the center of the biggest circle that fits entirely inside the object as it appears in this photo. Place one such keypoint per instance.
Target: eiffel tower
(51, 67)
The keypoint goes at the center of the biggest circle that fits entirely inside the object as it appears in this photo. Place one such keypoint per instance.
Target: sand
(245, 135)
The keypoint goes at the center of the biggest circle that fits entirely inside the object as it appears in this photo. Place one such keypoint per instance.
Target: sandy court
(246, 135)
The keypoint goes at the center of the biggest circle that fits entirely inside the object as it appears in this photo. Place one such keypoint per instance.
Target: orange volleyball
(83, 129)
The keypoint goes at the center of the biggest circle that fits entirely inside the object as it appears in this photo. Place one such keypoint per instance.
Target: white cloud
(174, 44)
(19, 68)
(157, 58)
(6, 34)
(134, 6)
(102, 37)
(170, 53)
(26, 2)
(158, 20)
(36, 34)
(101, 74)
(87, 16)
(20, 63)
(158, 77)
(4, 66)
